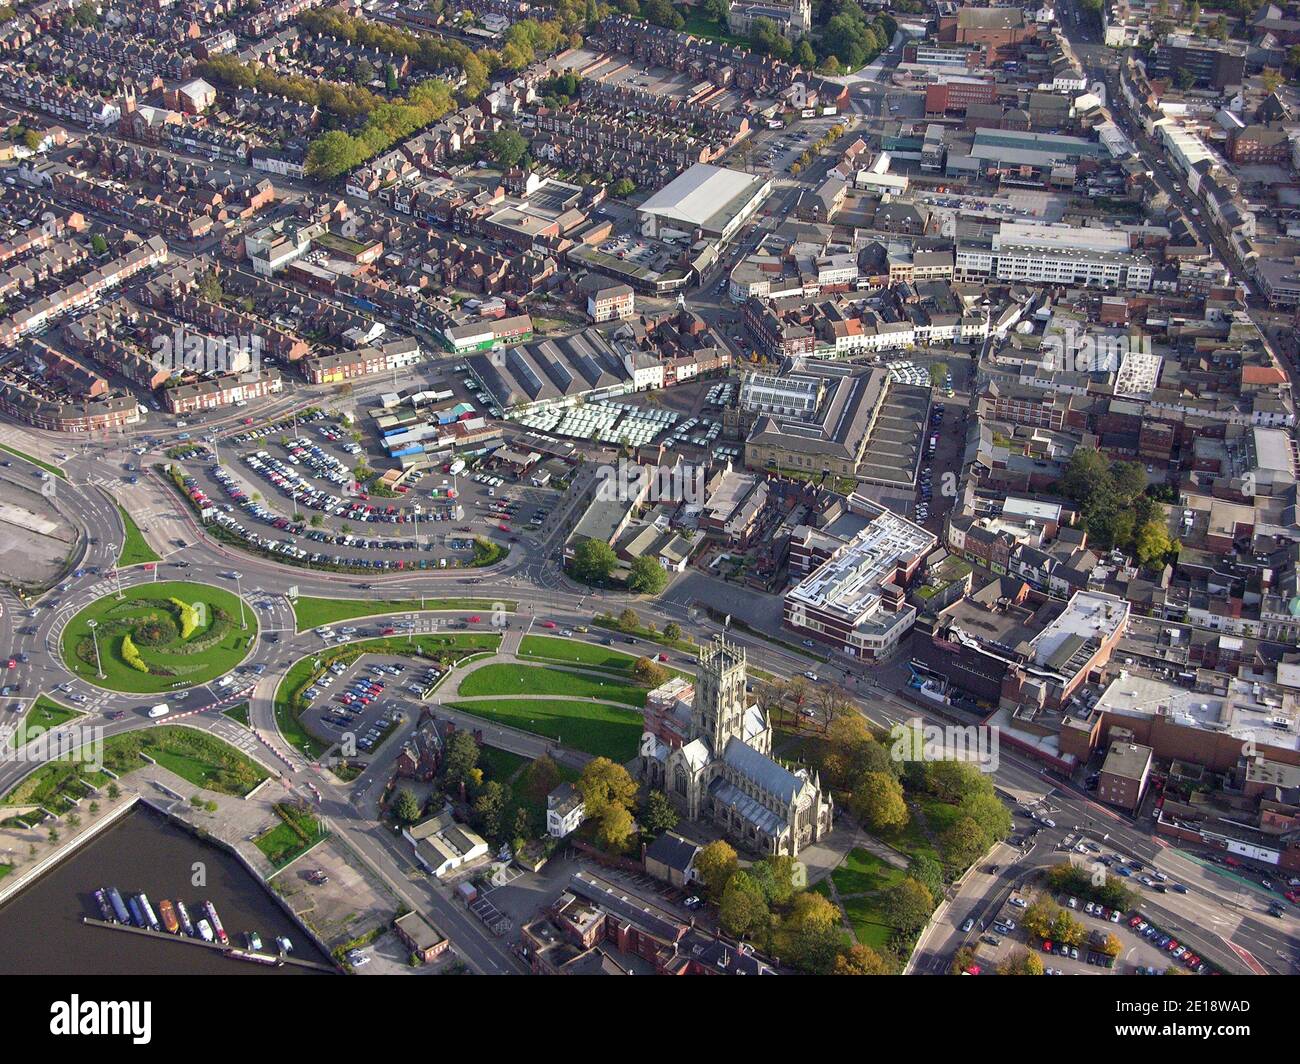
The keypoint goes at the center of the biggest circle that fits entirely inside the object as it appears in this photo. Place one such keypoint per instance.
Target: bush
(190, 616)
(131, 655)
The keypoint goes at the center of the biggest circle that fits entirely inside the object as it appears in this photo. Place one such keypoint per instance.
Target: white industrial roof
(698, 194)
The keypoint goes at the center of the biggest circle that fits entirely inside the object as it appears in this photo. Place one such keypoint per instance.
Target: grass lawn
(35, 461)
(135, 551)
(799, 746)
(202, 759)
(939, 816)
(195, 756)
(576, 652)
(296, 833)
(281, 844)
(213, 649)
(55, 786)
(865, 874)
(699, 26)
(313, 612)
(508, 679)
(868, 924)
(911, 841)
(500, 765)
(607, 731)
(46, 713)
(612, 625)
(240, 713)
(287, 709)
(557, 648)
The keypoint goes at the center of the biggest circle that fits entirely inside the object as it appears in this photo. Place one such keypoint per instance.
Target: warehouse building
(710, 201)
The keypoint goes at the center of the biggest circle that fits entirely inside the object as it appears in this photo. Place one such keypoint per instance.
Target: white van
(160, 710)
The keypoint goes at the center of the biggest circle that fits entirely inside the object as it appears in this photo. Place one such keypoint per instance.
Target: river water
(41, 932)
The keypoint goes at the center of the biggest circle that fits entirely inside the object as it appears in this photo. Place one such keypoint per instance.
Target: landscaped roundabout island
(159, 637)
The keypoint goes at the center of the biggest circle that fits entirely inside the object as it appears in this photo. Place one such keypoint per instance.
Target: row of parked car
(288, 547)
(1168, 943)
(251, 435)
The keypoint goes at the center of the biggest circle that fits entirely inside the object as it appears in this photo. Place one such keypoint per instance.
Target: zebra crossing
(236, 735)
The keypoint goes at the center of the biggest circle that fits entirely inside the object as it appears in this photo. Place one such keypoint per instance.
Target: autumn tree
(861, 960)
(1040, 916)
(908, 905)
(775, 878)
(743, 911)
(877, 802)
(648, 673)
(715, 864)
(1021, 961)
(609, 795)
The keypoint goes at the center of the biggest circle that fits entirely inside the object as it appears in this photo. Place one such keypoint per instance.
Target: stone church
(709, 750)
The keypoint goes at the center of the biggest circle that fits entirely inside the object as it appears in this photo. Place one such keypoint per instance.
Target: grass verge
(135, 549)
(507, 679)
(34, 461)
(314, 612)
(600, 730)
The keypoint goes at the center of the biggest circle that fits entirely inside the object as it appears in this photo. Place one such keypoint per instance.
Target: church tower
(800, 18)
(718, 710)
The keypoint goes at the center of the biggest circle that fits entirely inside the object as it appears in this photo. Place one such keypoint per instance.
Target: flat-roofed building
(421, 937)
(856, 600)
(712, 200)
(1124, 775)
(1076, 643)
(1056, 255)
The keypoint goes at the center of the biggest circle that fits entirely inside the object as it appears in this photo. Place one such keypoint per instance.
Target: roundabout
(157, 637)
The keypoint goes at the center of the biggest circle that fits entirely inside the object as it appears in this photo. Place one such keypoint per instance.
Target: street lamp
(99, 668)
(240, 595)
(117, 569)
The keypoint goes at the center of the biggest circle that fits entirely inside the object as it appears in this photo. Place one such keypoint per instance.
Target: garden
(158, 637)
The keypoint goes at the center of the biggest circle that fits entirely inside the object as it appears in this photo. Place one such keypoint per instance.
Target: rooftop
(703, 193)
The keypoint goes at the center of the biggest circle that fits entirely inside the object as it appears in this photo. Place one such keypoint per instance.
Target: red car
(248, 421)
(389, 631)
(1047, 946)
(475, 619)
(663, 657)
(12, 663)
(1293, 896)
(545, 624)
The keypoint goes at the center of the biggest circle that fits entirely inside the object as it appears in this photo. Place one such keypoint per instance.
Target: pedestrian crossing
(239, 737)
